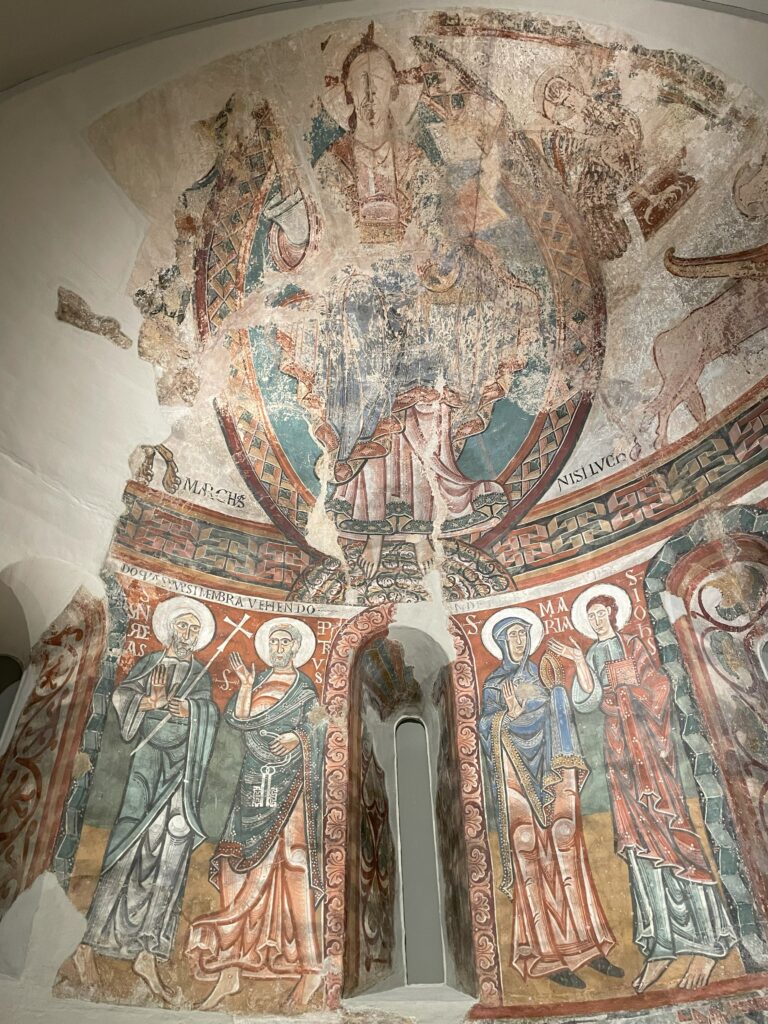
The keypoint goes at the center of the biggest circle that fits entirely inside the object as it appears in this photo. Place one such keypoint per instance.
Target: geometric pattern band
(172, 536)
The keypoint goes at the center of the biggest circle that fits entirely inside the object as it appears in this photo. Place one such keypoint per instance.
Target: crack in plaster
(50, 482)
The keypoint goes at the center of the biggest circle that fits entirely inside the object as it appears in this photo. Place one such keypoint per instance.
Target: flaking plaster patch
(73, 309)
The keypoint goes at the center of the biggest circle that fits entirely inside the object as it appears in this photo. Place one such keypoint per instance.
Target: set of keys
(263, 794)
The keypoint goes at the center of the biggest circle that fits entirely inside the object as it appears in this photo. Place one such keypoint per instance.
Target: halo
(579, 608)
(533, 620)
(555, 112)
(308, 642)
(333, 97)
(402, 108)
(167, 611)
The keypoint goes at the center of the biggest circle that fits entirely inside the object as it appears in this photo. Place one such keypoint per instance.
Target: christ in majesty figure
(413, 347)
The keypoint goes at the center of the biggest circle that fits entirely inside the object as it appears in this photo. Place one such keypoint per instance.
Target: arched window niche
(407, 919)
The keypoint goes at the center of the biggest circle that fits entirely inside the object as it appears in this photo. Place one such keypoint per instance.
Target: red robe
(647, 799)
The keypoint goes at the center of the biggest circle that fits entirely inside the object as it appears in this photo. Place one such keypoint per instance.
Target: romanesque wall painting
(44, 754)
(467, 309)
(376, 882)
(723, 637)
(434, 271)
(618, 868)
(200, 864)
(453, 849)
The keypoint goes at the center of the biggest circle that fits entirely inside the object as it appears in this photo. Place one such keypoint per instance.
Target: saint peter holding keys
(267, 865)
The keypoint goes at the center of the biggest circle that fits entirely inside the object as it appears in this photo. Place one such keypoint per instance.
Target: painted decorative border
(655, 493)
(336, 697)
(647, 501)
(479, 864)
(71, 826)
(173, 536)
(737, 519)
(40, 763)
(350, 639)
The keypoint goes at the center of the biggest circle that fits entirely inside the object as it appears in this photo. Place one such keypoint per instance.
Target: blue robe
(541, 742)
(138, 897)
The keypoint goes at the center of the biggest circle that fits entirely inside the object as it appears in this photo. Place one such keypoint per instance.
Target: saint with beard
(423, 326)
(166, 704)
(267, 864)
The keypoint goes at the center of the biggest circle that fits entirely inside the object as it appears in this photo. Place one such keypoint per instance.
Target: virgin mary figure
(536, 771)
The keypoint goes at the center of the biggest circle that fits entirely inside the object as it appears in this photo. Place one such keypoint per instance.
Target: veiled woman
(536, 771)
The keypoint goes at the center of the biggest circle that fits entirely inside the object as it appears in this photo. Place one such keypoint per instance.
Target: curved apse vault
(459, 322)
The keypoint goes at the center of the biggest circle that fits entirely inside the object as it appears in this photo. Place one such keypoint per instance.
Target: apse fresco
(464, 312)
(578, 734)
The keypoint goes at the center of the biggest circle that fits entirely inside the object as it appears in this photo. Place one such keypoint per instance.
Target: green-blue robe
(138, 897)
(269, 785)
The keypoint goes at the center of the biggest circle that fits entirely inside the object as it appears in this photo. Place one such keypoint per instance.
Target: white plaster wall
(74, 406)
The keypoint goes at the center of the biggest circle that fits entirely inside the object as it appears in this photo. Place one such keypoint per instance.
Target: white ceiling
(41, 37)
(44, 36)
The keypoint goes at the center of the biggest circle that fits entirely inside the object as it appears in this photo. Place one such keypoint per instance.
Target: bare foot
(85, 963)
(145, 966)
(371, 556)
(304, 989)
(425, 554)
(227, 985)
(650, 974)
(698, 972)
